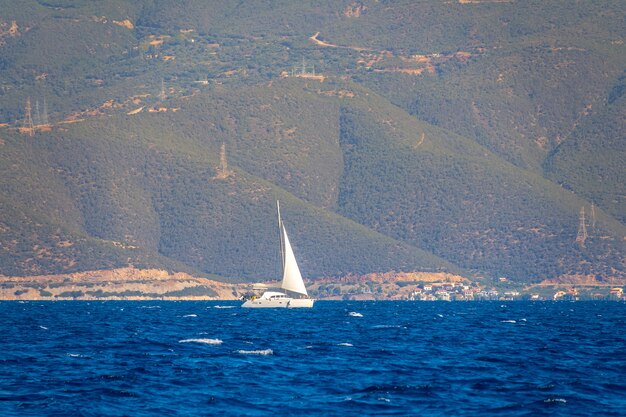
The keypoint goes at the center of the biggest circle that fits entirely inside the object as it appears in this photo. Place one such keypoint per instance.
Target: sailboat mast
(280, 238)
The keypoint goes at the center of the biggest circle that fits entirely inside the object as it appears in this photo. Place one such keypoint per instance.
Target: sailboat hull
(278, 300)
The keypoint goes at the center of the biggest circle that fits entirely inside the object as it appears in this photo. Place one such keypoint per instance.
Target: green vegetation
(197, 291)
(71, 294)
(444, 136)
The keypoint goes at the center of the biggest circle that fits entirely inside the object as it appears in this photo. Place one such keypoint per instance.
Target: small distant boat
(292, 280)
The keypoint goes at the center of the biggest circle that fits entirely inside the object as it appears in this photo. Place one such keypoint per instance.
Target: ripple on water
(204, 341)
(403, 358)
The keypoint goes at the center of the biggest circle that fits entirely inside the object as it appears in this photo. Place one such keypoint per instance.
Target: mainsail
(292, 279)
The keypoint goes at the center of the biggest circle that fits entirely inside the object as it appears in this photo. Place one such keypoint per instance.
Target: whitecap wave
(43, 327)
(224, 306)
(355, 314)
(344, 344)
(150, 307)
(261, 352)
(205, 341)
(190, 315)
(555, 400)
(508, 321)
(388, 326)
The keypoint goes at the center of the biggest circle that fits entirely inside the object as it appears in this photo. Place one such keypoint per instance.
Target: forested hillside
(410, 136)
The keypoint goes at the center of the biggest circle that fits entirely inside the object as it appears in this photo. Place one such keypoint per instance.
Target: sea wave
(564, 363)
(205, 341)
(261, 352)
(555, 400)
(388, 326)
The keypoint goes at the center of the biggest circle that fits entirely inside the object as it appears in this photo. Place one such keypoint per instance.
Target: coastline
(153, 284)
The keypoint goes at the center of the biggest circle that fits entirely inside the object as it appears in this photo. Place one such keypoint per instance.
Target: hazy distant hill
(406, 136)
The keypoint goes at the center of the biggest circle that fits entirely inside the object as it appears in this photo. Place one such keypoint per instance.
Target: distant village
(439, 291)
(464, 292)
(453, 288)
(441, 286)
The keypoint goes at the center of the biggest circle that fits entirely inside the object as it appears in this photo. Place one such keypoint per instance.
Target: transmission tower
(162, 94)
(593, 219)
(582, 229)
(28, 118)
(44, 115)
(223, 161)
(37, 118)
(222, 170)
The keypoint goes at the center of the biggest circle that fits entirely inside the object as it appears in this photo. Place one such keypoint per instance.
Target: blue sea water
(392, 358)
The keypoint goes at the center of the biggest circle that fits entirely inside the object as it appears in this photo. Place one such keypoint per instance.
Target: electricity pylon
(581, 236)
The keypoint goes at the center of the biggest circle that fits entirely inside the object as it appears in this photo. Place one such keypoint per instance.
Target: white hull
(278, 300)
(290, 303)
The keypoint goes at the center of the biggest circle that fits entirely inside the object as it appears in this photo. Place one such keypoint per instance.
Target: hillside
(116, 284)
(590, 161)
(404, 136)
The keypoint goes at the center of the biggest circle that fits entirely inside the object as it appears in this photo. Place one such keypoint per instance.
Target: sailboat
(292, 280)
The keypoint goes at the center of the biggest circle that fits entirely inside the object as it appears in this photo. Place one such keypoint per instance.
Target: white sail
(292, 279)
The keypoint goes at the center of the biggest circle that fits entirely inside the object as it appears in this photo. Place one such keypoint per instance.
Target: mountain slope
(591, 160)
(159, 199)
(461, 202)
(400, 135)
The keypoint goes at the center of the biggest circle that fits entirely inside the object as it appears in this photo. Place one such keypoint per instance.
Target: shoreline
(132, 284)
